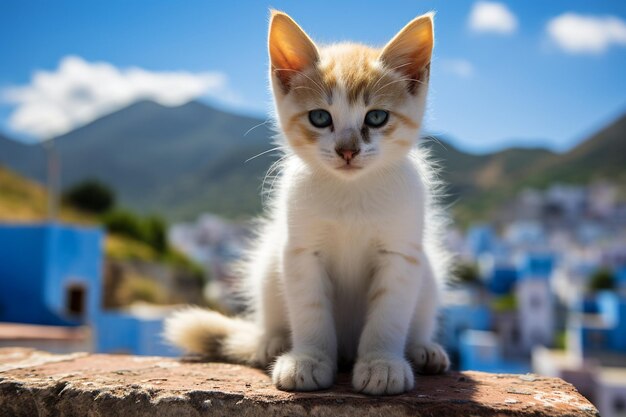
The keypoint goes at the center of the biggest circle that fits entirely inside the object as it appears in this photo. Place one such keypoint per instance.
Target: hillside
(467, 174)
(600, 157)
(23, 200)
(181, 161)
(603, 155)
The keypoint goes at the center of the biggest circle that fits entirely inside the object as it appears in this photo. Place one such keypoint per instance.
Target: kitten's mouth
(349, 167)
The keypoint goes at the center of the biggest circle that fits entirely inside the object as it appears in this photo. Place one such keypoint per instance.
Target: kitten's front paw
(429, 358)
(379, 376)
(295, 371)
(270, 347)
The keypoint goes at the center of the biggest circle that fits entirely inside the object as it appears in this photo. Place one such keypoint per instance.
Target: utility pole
(53, 180)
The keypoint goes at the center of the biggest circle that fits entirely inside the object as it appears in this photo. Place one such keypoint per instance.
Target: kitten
(347, 264)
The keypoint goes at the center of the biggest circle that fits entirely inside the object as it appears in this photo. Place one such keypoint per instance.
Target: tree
(125, 223)
(602, 279)
(91, 196)
(467, 273)
(155, 230)
(150, 230)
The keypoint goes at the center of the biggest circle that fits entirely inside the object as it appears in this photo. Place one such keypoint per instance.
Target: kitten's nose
(347, 153)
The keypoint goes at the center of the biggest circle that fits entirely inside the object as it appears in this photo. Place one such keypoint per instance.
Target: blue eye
(376, 118)
(320, 118)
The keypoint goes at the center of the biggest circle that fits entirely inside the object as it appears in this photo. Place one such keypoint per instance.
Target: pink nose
(347, 154)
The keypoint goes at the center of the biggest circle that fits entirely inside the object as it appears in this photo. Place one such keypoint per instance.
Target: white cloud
(77, 92)
(460, 67)
(580, 34)
(492, 17)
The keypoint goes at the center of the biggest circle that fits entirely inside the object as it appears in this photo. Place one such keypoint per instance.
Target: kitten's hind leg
(271, 313)
(426, 356)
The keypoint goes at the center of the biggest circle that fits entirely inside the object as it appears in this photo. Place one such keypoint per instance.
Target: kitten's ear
(409, 52)
(291, 50)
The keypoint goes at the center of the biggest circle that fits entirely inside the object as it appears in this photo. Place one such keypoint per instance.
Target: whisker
(254, 127)
(262, 153)
(275, 166)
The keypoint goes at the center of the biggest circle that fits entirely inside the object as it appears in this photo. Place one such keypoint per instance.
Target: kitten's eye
(376, 118)
(320, 118)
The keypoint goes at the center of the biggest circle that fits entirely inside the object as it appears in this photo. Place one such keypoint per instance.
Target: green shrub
(466, 272)
(155, 233)
(90, 196)
(602, 279)
(125, 223)
(504, 303)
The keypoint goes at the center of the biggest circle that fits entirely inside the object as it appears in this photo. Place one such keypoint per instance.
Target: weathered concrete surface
(38, 384)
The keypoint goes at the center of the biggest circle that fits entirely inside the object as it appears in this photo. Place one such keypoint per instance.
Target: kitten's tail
(211, 334)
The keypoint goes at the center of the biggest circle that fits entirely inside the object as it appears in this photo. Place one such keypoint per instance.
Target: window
(75, 300)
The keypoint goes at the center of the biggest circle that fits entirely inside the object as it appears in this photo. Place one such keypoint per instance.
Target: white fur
(335, 239)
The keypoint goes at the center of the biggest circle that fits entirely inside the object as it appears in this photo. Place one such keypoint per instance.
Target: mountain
(181, 161)
(29, 159)
(161, 157)
(467, 174)
(602, 156)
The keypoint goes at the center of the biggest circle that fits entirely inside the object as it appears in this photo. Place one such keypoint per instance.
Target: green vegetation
(504, 303)
(560, 340)
(90, 196)
(466, 273)
(145, 238)
(602, 279)
(150, 230)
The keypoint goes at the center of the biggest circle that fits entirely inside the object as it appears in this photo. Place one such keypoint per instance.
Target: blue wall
(487, 358)
(118, 332)
(37, 265)
(537, 265)
(458, 318)
(609, 334)
(502, 279)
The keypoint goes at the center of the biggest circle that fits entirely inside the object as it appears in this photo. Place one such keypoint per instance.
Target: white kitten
(347, 263)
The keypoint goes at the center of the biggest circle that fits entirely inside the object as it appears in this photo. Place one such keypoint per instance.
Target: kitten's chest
(349, 252)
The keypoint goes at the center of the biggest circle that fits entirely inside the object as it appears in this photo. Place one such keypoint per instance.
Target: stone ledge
(35, 383)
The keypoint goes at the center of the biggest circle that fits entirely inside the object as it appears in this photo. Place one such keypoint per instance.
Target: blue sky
(505, 79)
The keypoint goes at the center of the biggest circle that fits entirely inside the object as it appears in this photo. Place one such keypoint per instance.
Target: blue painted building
(537, 265)
(502, 279)
(123, 332)
(481, 239)
(458, 318)
(602, 325)
(620, 279)
(51, 274)
(481, 351)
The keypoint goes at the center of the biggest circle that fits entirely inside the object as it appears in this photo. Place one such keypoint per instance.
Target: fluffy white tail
(214, 335)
